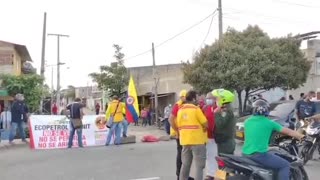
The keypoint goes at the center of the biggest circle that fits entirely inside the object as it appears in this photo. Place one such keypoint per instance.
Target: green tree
(113, 78)
(248, 61)
(29, 85)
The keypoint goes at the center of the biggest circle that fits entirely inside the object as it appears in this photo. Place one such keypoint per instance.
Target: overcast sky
(95, 25)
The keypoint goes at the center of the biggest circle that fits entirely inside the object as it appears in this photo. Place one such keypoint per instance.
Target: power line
(175, 36)
(191, 27)
(296, 4)
(209, 29)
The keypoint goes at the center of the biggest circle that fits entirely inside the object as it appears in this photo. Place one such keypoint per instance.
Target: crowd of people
(202, 130)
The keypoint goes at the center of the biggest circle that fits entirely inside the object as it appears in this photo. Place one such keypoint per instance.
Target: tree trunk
(240, 102)
(246, 97)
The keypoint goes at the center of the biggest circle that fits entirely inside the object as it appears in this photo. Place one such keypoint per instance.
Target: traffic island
(128, 140)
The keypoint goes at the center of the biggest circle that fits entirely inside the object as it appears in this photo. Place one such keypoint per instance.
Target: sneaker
(124, 135)
(11, 143)
(25, 141)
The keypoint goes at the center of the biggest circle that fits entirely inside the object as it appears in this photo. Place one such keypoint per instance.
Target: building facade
(169, 84)
(12, 58)
(312, 54)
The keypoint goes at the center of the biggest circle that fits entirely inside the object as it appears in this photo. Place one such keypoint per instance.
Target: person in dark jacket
(225, 122)
(19, 116)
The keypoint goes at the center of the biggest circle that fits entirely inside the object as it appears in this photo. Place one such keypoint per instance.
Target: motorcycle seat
(241, 159)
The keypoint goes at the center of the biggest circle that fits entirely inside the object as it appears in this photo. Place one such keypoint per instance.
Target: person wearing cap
(174, 129)
(18, 115)
(225, 122)
(192, 125)
(114, 114)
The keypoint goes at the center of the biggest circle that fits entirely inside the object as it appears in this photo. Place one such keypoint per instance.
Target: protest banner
(52, 132)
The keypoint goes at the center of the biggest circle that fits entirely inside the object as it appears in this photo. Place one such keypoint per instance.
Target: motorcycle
(312, 141)
(233, 167)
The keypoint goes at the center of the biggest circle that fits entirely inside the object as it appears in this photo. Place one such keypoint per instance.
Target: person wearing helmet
(225, 121)
(257, 131)
(174, 129)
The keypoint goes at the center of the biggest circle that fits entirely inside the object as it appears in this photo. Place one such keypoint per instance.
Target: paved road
(126, 162)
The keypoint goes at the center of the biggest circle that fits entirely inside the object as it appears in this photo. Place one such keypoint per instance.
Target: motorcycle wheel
(296, 174)
(304, 174)
(305, 153)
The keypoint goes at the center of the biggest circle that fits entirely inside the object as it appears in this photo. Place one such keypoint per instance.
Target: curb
(7, 146)
(128, 140)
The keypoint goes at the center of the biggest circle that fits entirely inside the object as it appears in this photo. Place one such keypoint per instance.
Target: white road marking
(150, 178)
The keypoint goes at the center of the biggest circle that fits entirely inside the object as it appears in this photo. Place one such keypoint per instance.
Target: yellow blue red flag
(132, 105)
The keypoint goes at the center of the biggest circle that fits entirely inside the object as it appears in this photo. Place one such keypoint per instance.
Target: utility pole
(220, 19)
(155, 87)
(58, 65)
(43, 52)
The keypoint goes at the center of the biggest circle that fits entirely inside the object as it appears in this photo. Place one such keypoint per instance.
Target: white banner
(52, 132)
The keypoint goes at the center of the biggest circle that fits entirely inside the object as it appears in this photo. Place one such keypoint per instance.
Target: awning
(4, 92)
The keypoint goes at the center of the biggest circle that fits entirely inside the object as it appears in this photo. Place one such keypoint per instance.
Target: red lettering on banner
(42, 145)
(52, 145)
(43, 139)
(63, 138)
(53, 139)
(62, 144)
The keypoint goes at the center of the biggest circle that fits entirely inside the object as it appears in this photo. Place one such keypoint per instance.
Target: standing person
(208, 110)
(192, 125)
(258, 129)
(150, 115)
(76, 113)
(306, 108)
(225, 122)
(167, 112)
(54, 109)
(18, 116)
(174, 130)
(144, 116)
(291, 97)
(5, 121)
(97, 108)
(114, 114)
(302, 96)
(125, 122)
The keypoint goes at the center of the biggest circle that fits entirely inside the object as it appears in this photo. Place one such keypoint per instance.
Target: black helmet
(260, 107)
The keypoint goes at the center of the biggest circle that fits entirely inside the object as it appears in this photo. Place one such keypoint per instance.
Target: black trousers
(178, 160)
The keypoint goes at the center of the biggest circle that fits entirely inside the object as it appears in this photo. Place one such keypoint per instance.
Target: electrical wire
(209, 29)
(296, 4)
(191, 27)
(175, 36)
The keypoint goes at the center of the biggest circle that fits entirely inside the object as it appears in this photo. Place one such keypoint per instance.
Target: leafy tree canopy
(248, 61)
(113, 78)
(30, 85)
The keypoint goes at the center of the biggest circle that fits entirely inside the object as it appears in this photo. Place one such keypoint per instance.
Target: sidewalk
(4, 144)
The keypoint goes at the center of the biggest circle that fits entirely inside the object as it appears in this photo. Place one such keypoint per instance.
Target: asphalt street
(126, 162)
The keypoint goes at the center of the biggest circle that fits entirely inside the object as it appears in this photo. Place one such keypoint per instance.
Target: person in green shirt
(257, 131)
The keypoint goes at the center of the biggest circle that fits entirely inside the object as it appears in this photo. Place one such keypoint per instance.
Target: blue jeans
(271, 161)
(125, 125)
(13, 131)
(115, 129)
(167, 125)
(79, 134)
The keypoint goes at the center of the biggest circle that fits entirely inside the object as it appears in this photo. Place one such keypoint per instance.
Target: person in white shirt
(5, 119)
(5, 124)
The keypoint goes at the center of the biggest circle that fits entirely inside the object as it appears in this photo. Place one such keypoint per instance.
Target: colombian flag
(132, 107)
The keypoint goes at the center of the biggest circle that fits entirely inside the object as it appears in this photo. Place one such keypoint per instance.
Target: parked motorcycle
(312, 141)
(242, 168)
